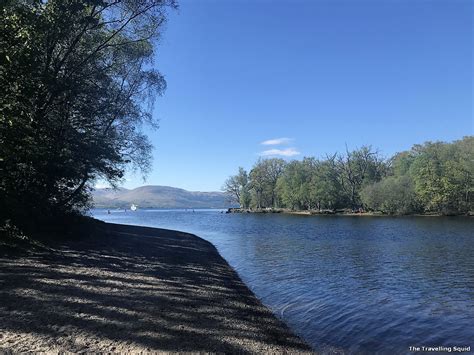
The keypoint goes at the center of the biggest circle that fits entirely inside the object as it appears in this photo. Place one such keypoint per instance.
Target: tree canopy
(77, 85)
(431, 177)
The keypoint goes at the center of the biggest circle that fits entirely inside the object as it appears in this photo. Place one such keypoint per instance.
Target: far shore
(132, 289)
(339, 213)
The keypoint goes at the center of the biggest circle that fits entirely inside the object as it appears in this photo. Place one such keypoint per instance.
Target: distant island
(433, 178)
(159, 197)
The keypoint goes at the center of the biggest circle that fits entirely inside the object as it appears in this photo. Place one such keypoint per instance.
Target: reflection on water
(354, 284)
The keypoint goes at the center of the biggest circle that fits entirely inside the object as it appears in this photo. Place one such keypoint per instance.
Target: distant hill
(159, 197)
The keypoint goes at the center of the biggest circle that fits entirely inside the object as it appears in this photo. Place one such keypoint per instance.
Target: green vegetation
(76, 86)
(430, 178)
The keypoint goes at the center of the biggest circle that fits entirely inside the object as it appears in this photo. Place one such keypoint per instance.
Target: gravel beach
(133, 289)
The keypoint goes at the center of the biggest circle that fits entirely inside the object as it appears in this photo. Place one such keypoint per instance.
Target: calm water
(349, 284)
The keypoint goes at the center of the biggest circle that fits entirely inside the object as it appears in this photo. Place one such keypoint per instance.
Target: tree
(290, 185)
(236, 187)
(232, 188)
(400, 163)
(245, 197)
(297, 185)
(325, 186)
(458, 179)
(76, 86)
(257, 184)
(444, 175)
(432, 177)
(357, 168)
(426, 171)
(263, 181)
(392, 195)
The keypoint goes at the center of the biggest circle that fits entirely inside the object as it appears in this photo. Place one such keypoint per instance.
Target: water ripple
(347, 285)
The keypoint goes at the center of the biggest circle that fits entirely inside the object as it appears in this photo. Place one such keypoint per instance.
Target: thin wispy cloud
(288, 152)
(277, 141)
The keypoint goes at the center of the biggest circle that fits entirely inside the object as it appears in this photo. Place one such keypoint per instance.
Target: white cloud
(277, 141)
(288, 152)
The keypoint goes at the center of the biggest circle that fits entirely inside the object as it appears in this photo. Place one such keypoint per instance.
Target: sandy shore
(133, 289)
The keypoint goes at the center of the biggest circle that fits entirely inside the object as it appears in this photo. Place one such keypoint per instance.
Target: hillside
(158, 197)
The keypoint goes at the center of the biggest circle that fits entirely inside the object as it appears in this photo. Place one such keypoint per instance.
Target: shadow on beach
(133, 289)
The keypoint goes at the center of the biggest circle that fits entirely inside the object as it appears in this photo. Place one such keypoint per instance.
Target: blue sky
(316, 74)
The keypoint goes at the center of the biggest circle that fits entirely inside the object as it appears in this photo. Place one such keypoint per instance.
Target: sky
(249, 79)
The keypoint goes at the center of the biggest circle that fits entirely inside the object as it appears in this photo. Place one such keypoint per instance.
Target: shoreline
(133, 289)
(339, 213)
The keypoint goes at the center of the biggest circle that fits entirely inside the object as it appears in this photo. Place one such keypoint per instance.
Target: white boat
(133, 207)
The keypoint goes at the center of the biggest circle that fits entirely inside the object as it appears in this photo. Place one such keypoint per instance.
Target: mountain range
(159, 197)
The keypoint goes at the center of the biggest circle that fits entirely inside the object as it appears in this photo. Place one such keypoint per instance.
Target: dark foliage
(76, 86)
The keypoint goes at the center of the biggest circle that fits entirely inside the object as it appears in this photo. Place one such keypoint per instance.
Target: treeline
(430, 178)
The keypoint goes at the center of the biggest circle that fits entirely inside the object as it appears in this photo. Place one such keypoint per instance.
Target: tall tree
(290, 185)
(263, 181)
(325, 186)
(444, 175)
(236, 187)
(359, 167)
(76, 86)
(257, 184)
(296, 185)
